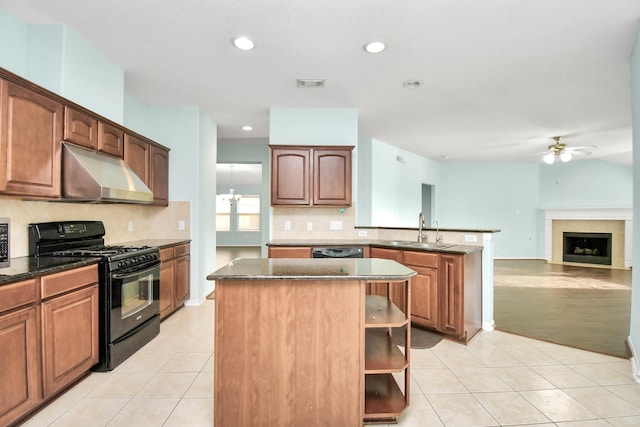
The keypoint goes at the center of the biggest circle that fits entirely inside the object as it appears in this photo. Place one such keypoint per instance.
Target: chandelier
(231, 197)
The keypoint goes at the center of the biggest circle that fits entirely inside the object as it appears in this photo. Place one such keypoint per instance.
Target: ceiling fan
(562, 151)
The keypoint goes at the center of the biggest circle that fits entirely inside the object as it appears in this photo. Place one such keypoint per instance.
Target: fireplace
(588, 248)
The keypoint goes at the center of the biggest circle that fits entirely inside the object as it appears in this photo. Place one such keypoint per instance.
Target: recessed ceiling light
(243, 42)
(374, 47)
(411, 84)
(247, 128)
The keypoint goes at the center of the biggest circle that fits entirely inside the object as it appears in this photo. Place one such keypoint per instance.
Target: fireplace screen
(588, 248)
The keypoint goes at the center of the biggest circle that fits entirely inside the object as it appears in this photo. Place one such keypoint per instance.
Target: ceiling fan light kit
(562, 151)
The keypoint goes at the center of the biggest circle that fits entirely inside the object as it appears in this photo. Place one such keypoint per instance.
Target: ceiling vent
(308, 83)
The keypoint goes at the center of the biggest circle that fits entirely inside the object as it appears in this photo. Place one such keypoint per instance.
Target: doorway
(427, 203)
(240, 212)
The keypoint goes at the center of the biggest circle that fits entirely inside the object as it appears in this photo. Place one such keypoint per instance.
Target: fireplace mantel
(589, 214)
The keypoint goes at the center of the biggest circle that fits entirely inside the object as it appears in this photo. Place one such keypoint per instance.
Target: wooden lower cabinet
(446, 293)
(175, 278)
(19, 364)
(48, 337)
(69, 337)
(397, 291)
(290, 252)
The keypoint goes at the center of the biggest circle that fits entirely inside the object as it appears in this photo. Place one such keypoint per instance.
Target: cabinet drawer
(65, 281)
(423, 259)
(180, 250)
(17, 294)
(391, 254)
(166, 254)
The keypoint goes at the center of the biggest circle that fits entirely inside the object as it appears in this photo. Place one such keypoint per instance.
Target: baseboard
(635, 366)
(519, 258)
(488, 326)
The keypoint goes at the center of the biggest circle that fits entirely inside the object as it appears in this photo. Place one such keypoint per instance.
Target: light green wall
(396, 185)
(586, 183)
(44, 56)
(313, 126)
(14, 42)
(634, 335)
(493, 196)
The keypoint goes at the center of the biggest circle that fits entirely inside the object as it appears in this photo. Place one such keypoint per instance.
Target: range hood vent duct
(90, 176)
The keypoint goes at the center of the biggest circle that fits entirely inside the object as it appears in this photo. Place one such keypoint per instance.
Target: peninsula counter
(298, 342)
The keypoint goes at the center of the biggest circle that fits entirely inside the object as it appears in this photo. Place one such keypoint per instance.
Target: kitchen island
(298, 342)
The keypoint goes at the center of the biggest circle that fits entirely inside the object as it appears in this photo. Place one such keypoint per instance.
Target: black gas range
(129, 283)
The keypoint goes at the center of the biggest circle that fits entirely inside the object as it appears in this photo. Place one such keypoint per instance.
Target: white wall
(14, 43)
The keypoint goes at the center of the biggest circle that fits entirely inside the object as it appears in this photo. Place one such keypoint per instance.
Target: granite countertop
(312, 269)
(23, 268)
(159, 243)
(391, 244)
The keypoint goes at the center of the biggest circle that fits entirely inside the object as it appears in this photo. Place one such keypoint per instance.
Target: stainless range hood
(90, 176)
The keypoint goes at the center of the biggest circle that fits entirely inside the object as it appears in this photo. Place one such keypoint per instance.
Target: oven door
(135, 298)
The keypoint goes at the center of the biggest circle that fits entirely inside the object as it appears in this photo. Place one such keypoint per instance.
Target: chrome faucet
(438, 235)
(421, 225)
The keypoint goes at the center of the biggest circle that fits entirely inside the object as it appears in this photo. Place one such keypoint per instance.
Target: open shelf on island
(382, 355)
(383, 398)
(381, 312)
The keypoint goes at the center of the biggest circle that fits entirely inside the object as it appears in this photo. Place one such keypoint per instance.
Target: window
(223, 213)
(242, 215)
(249, 213)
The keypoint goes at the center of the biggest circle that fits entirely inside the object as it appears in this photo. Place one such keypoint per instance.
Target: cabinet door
(332, 177)
(30, 135)
(424, 297)
(159, 175)
(182, 279)
(136, 156)
(451, 276)
(292, 252)
(80, 128)
(19, 364)
(167, 286)
(110, 139)
(290, 176)
(69, 337)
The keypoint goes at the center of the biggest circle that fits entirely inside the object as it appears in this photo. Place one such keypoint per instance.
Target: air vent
(308, 83)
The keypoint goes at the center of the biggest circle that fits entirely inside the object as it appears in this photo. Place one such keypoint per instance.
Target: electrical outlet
(362, 233)
(309, 226)
(180, 225)
(130, 225)
(470, 238)
(287, 225)
(335, 225)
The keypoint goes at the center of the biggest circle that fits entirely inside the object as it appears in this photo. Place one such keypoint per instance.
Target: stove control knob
(127, 262)
(120, 264)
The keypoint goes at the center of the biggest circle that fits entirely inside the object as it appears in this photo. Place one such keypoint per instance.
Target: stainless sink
(398, 242)
(429, 245)
(414, 244)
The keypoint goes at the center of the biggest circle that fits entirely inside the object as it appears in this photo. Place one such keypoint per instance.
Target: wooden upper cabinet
(332, 177)
(290, 176)
(311, 176)
(159, 178)
(136, 156)
(80, 128)
(30, 138)
(151, 164)
(110, 139)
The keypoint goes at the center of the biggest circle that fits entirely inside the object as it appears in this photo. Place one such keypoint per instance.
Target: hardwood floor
(582, 307)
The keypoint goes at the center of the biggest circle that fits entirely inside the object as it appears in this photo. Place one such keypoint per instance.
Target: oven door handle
(135, 273)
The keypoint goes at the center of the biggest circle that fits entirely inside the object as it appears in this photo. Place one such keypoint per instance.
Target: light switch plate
(470, 238)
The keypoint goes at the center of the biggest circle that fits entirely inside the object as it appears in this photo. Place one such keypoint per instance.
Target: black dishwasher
(337, 252)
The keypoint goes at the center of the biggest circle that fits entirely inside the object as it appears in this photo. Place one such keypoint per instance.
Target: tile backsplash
(147, 222)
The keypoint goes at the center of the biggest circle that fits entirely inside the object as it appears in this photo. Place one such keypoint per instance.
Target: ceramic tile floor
(498, 379)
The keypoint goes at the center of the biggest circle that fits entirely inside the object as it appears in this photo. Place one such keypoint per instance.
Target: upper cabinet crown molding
(311, 175)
